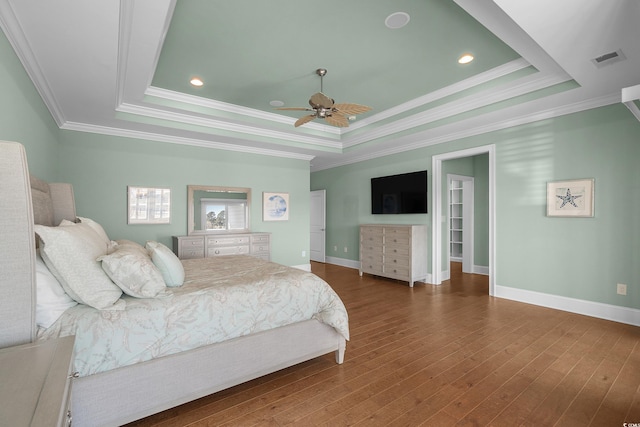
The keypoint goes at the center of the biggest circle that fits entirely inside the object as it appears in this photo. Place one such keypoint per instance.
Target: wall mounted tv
(399, 194)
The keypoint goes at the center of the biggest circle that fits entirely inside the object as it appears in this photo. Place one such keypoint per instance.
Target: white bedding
(222, 298)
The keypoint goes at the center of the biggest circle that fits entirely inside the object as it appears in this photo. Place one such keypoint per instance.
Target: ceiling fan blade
(338, 120)
(304, 119)
(320, 100)
(295, 108)
(350, 109)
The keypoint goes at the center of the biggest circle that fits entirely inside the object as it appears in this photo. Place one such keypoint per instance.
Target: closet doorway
(439, 247)
(461, 220)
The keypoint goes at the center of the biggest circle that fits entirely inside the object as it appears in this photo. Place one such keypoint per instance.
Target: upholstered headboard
(52, 202)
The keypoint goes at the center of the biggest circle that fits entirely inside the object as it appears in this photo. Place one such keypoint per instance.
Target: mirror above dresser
(218, 225)
(218, 209)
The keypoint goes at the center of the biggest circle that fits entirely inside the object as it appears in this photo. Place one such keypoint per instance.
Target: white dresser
(210, 245)
(35, 383)
(394, 251)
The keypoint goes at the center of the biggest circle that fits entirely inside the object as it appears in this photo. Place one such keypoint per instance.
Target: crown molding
(487, 76)
(16, 36)
(191, 119)
(510, 90)
(158, 137)
(468, 128)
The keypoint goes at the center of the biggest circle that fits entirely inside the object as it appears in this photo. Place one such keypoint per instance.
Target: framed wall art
(147, 205)
(275, 206)
(572, 198)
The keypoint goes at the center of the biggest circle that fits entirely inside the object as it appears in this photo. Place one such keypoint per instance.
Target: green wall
(101, 167)
(23, 116)
(581, 258)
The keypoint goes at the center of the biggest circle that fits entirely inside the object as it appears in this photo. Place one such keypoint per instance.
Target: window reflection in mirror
(218, 209)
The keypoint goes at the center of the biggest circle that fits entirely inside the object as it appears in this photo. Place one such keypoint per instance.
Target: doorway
(318, 225)
(460, 221)
(439, 199)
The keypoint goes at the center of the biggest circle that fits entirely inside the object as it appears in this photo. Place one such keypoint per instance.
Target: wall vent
(609, 58)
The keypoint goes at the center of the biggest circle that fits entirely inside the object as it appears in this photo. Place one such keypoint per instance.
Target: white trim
(481, 269)
(436, 226)
(615, 313)
(192, 119)
(349, 263)
(304, 267)
(15, 34)
(150, 136)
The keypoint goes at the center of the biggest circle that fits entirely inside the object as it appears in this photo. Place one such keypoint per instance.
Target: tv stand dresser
(394, 251)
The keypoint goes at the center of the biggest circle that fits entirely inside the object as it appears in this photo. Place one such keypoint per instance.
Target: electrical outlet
(345, 249)
(622, 289)
(304, 254)
(335, 248)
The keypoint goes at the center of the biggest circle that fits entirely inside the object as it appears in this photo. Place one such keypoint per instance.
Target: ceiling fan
(324, 107)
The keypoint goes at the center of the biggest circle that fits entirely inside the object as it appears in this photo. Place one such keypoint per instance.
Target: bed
(286, 316)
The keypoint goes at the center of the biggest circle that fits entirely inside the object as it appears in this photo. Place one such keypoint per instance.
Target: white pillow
(133, 272)
(51, 299)
(167, 262)
(70, 253)
(97, 228)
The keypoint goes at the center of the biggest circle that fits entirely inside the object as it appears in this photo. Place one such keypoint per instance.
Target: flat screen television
(399, 194)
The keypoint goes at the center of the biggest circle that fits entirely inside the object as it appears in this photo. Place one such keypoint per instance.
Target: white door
(318, 225)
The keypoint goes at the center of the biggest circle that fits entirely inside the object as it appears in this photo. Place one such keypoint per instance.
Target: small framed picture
(147, 205)
(275, 206)
(573, 198)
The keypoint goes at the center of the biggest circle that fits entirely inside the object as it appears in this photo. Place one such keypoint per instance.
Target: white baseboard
(305, 267)
(343, 262)
(615, 313)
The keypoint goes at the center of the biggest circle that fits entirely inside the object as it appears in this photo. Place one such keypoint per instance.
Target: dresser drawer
(395, 272)
(260, 248)
(391, 261)
(397, 232)
(393, 250)
(260, 238)
(190, 253)
(227, 241)
(227, 250)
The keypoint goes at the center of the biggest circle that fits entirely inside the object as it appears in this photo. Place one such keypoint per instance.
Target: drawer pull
(195, 243)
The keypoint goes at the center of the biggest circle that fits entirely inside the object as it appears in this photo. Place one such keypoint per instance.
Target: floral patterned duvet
(221, 298)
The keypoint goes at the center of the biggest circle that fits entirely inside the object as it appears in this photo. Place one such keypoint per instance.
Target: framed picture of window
(147, 205)
(572, 198)
(275, 206)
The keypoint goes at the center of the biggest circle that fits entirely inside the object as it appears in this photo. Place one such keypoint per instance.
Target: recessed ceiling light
(276, 103)
(465, 59)
(397, 20)
(196, 81)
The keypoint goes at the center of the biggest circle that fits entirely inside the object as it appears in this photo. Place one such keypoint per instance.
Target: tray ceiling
(123, 68)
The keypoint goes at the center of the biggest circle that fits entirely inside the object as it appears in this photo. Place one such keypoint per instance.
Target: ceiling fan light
(196, 81)
(465, 58)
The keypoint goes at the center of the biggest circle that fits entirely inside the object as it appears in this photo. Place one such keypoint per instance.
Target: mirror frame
(191, 208)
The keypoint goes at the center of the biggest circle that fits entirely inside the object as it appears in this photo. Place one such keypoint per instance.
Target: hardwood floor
(442, 356)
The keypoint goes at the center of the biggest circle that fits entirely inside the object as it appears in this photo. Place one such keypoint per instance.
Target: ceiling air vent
(608, 58)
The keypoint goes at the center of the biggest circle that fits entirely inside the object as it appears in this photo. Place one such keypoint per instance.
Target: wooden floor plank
(441, 356)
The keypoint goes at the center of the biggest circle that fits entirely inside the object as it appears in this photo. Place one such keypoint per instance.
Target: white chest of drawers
(210, 245)
(394, 251)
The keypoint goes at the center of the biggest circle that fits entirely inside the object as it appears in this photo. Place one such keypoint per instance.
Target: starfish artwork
(568, 198)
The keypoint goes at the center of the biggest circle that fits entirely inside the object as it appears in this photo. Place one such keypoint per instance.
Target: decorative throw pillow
(133, 272)
(51, 299)
(167, 262)
(131, 245)
(70, 253)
